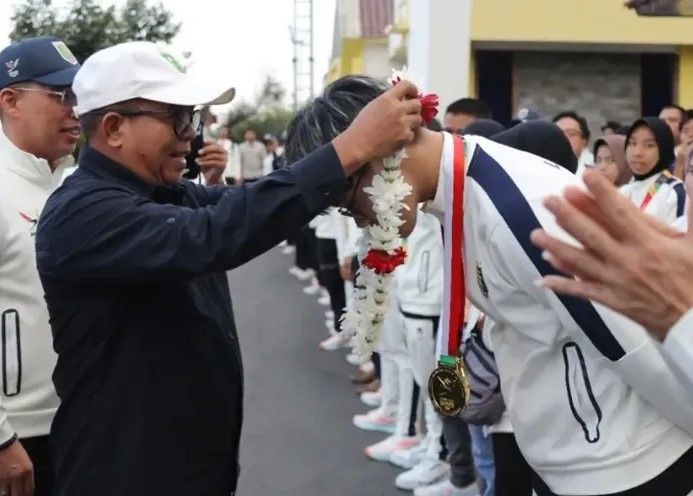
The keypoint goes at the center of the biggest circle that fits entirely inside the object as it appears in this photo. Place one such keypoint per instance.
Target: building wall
(375, 59)
(599, 86)
(574, 21)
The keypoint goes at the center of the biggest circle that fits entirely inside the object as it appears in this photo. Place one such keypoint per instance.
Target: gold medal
(448, 387)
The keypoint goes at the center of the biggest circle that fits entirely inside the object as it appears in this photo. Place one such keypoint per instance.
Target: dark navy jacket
(149, 368)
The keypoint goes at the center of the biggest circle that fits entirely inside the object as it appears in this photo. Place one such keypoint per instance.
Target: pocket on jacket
(11, 353)
(583, 403)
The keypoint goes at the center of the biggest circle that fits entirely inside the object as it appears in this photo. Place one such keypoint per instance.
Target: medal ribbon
(454, 290)
(663, 178)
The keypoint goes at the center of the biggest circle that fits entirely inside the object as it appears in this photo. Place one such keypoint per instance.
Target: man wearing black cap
(39, 133)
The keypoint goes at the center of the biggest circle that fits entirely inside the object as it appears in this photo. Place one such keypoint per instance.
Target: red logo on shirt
(33, 221)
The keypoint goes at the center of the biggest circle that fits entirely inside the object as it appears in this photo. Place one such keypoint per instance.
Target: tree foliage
(266, 114)
(86, 26)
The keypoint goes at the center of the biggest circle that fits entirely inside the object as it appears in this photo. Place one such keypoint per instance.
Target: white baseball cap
(141, 69)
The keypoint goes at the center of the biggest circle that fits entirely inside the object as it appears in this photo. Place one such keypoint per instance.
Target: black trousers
(677, 480)
(330, 278)
(306, 253)
(39, 450)
(459, 446)
(513, 473)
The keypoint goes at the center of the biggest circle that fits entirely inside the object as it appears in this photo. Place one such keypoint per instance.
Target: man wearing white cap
(132, 260)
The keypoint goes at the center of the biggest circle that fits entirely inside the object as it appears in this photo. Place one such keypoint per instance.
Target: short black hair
(584, 128)
(328, 115)
(614, 125)
(470, 106)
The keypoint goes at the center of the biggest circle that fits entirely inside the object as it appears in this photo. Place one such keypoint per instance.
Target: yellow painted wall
(352, 56)
(685, 77)
(574, 21)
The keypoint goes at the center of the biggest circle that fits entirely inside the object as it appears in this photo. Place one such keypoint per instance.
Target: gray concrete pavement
(298, 438)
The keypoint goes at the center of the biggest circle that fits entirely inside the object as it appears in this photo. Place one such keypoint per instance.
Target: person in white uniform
(654, 190)
(595, 407)
(39, 133)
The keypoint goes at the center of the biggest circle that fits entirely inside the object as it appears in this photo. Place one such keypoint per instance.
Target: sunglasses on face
(184, 119)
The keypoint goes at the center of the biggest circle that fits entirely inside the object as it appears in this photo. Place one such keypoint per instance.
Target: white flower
(392, 162)
(364, 320)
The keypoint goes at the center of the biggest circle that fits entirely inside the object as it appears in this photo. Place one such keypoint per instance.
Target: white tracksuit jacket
(594, 406)
(667, 205)
(28, 400)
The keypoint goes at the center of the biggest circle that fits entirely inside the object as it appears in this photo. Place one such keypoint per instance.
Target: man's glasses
(65, 96)
(184, 119)
(345, 208)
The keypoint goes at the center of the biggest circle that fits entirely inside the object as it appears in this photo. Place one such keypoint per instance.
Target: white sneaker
(372, 398)
(300, 274)
(329, 323)
(357, 360)
(367, 367)
(445, 488)
(324, 298)
(295, 271)
(376, 420)
(333, 343)
(409, 458)
(313, 289)
(383, 450)
(424, 473)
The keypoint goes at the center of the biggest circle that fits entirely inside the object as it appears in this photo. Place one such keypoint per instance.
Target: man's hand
(382, 127)
(16, 471)
(629, 261)
(346, 269)
(212, 162)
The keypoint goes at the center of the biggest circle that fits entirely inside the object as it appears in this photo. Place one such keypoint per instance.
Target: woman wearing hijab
(540, 138)
(610, 159)
(649, 151)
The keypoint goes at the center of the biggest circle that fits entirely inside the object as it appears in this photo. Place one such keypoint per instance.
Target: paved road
(298, 438)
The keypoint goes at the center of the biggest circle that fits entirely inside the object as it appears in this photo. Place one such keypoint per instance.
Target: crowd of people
(478, 454)
(115, 304)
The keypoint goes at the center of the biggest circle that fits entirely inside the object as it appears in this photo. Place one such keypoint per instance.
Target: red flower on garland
(429, 107)
(381, 262)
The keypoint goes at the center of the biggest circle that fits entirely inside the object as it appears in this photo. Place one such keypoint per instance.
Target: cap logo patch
(64, 52)
(173, 61)
(12, 68)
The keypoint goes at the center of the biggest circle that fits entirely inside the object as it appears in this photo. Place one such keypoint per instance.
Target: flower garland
(363, 321)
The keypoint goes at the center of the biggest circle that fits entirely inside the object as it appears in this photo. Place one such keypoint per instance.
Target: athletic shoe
(357, 360)
(383, 450)
(300, 274)
(324, 298)
(333, 343)
(372, 398)
(376, 420)
(368, 367)
(313, 289)
(446, 488)
(424, 473)
(409, 458)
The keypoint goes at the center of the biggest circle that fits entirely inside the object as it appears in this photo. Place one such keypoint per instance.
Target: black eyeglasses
(344, 209)
(184, 119)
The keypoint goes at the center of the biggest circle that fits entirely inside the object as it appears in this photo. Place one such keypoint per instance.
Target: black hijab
(484, 128)
(541, 138)
(665, 143)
